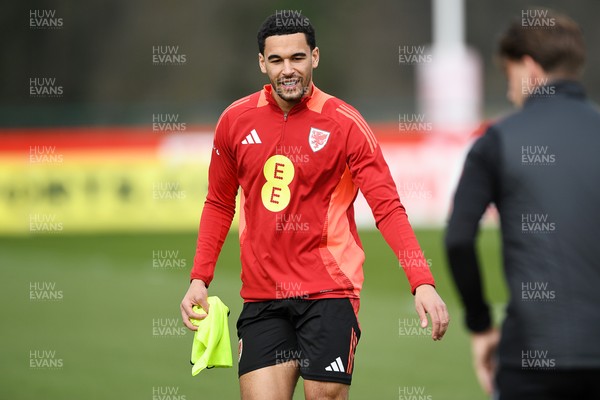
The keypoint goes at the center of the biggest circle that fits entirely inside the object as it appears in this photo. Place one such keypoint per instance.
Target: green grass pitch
(108, 332)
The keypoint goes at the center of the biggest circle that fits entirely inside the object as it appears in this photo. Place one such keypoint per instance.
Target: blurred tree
(102, 55)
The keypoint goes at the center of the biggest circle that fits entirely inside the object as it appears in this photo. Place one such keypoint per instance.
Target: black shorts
(318, 336)
(519, 384)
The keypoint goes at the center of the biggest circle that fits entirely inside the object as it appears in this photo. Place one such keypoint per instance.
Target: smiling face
(288, 61)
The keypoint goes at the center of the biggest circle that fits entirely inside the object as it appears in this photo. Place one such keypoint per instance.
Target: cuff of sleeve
(416, 284)
(478, 322)
(206, 279)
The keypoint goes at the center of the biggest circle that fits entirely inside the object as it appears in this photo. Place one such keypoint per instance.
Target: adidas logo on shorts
(336, 366)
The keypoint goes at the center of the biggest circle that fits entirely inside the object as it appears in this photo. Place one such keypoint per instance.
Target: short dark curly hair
(558, 48)
(286, 22)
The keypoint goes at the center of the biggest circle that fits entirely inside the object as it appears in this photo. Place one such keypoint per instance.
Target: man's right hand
(197, 294)
(483, 346)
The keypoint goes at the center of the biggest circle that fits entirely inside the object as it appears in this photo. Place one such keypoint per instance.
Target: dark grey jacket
(541, 168)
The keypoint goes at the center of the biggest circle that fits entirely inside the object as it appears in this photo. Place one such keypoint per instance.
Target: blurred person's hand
(428, 301)
(197, 294)
(483, 347)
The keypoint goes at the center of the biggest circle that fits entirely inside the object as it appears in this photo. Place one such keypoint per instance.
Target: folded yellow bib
(211, 346)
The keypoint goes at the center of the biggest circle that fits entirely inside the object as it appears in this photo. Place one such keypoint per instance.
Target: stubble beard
(296, 95)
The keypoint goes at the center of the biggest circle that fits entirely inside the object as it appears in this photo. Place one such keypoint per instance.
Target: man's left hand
(428, 301)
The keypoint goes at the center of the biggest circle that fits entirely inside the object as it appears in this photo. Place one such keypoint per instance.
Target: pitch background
(102, 328)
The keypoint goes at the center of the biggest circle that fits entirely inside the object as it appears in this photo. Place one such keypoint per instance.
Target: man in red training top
(300, 156)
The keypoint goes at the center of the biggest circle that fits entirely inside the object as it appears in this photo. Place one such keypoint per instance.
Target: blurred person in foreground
(300, 156)
(540, 167)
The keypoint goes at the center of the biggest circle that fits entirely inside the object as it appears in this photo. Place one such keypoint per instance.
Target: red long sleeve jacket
(300, 173)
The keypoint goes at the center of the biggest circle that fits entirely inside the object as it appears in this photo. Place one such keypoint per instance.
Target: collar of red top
(268, 95)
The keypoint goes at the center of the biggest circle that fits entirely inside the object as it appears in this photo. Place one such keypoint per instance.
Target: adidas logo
(252, 138)
(336, 366)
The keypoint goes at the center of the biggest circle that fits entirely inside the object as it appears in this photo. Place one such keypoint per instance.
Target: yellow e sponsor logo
(279, 173)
